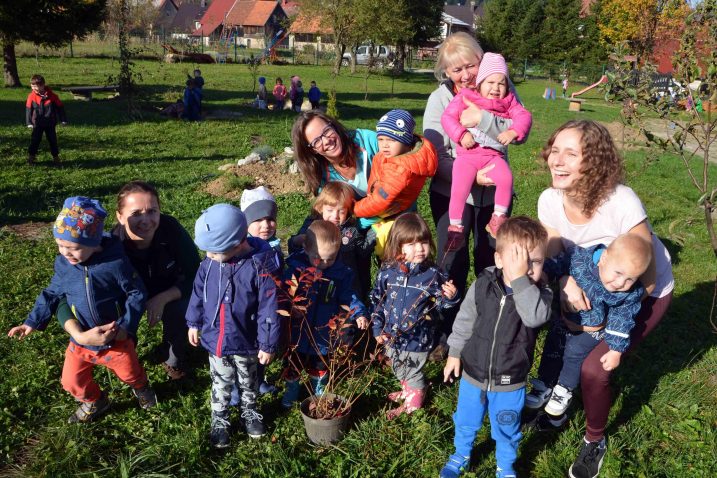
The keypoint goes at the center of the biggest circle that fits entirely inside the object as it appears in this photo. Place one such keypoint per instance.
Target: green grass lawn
(665, 414)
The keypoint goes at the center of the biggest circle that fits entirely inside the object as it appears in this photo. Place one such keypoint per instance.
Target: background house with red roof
(211, 23)
(308, 31)
(253, 23)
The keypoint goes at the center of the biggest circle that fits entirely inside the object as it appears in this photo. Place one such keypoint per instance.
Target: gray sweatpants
(408, 366)
(227, 372)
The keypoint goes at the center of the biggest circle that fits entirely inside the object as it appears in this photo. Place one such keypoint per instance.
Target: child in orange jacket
(43, 109)
(398, 172)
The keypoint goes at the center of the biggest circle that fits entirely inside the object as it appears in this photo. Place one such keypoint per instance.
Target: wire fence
(98, 46)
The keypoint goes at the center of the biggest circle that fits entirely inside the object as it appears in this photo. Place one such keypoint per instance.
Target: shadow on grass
(683, 336)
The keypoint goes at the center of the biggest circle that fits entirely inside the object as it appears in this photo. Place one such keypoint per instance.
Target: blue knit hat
(398, 125)
(220, 228)
(262, 80)
(81, 221)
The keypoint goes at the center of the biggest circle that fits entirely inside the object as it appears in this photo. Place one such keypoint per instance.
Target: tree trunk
(12, 79)
(399, 63)
(339, 48)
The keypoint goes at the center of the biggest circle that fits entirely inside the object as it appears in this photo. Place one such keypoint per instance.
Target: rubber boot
(291, 395)
(318, 380)
(400, 395)
(414, 398)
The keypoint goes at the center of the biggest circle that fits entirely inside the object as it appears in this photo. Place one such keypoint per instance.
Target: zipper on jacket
(492, 347)
(90, 302)
(222, 313)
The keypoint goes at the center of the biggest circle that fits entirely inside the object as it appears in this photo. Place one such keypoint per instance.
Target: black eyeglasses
(327, 132)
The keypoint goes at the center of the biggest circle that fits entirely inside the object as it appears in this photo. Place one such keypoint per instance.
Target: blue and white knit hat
(220, 228)
(257, 204)
(81, 221)
(398, 125)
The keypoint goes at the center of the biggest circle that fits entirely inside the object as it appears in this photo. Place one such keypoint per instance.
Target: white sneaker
(559, 400)
(538, 396)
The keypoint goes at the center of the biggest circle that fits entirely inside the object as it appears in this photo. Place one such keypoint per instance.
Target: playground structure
(270, 50)
(602, 80)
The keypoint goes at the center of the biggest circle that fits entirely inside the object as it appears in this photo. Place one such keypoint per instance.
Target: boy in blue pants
(493, 339)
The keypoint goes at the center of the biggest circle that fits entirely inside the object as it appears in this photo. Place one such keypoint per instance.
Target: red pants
(79, 363)
(595, 381)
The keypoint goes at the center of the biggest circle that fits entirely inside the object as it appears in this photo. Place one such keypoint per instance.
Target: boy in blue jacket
(323, 285)
(101, 287)
(610, 279)
(234, 305)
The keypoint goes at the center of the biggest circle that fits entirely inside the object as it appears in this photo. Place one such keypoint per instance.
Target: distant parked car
(382, 56)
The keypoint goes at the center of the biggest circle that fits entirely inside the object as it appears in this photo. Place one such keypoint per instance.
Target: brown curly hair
(602, 167)
(312, 164)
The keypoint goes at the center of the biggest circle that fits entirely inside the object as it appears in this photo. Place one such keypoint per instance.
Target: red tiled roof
(304, 24)
(252, 13)
(214, 17)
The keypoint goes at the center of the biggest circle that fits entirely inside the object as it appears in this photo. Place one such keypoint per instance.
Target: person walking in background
(42, 111)
(314, 96)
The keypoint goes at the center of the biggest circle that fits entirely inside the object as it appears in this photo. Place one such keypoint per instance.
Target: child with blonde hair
(335, 204)
(409, 291)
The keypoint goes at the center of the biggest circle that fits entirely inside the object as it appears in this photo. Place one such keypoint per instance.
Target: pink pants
(465, 168)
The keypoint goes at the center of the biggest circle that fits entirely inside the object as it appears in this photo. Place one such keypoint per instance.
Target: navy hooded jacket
(234, 303)
(405, 301)
(103, 289)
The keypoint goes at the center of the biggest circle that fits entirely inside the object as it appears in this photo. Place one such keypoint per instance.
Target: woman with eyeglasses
(326, 151)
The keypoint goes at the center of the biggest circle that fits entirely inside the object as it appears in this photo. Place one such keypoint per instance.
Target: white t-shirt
(622, 211)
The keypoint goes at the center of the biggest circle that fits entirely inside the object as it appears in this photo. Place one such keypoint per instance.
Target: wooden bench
(575, 104)
(84, 93)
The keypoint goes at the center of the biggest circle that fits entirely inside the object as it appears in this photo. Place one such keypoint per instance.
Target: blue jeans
(504, 410)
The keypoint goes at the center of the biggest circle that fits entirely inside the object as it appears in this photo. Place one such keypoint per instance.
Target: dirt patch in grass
(30, 230)
(272, 175)
(625, 137)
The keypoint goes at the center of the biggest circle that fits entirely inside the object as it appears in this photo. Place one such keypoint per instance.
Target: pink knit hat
(491, 63)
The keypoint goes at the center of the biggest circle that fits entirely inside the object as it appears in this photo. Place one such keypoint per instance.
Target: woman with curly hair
(587, 205)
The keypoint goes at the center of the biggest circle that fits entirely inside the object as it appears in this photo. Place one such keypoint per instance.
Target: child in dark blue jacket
(316, 280)
(101, 287)
(609, 277)
(234, 305)
(408, 293)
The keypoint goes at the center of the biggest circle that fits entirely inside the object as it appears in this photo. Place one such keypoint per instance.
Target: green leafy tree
(425, 18)
(44, 22)
(563, 29)
(337, 15)
(526, 38)
(495, 28)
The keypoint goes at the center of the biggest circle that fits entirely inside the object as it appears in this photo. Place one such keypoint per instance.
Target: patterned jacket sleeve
(558, 266)
(621, 320)
(348, 297)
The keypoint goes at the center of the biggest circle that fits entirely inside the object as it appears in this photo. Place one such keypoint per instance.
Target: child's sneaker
(455, 466)
(559, 400)
(253, 422)
(266, 388)
(219, 435)
(90, 411)
(589, 461)
(495, 222)
(455, 238)
(145, 396)
(174, 373)
(538, 396)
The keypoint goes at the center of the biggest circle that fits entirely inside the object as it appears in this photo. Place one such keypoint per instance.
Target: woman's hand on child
(515, 261)
(265, 357)
(507, 137)
(482, 178)
(611, 360)
(449, 290)
(572, 297)
(362, 323)
(452, 369)
(467, 140)
(193, 335)
(472, 115)
(20, 332)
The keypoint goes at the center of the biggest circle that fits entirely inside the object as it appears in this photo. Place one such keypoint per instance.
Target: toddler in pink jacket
(476, 150)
